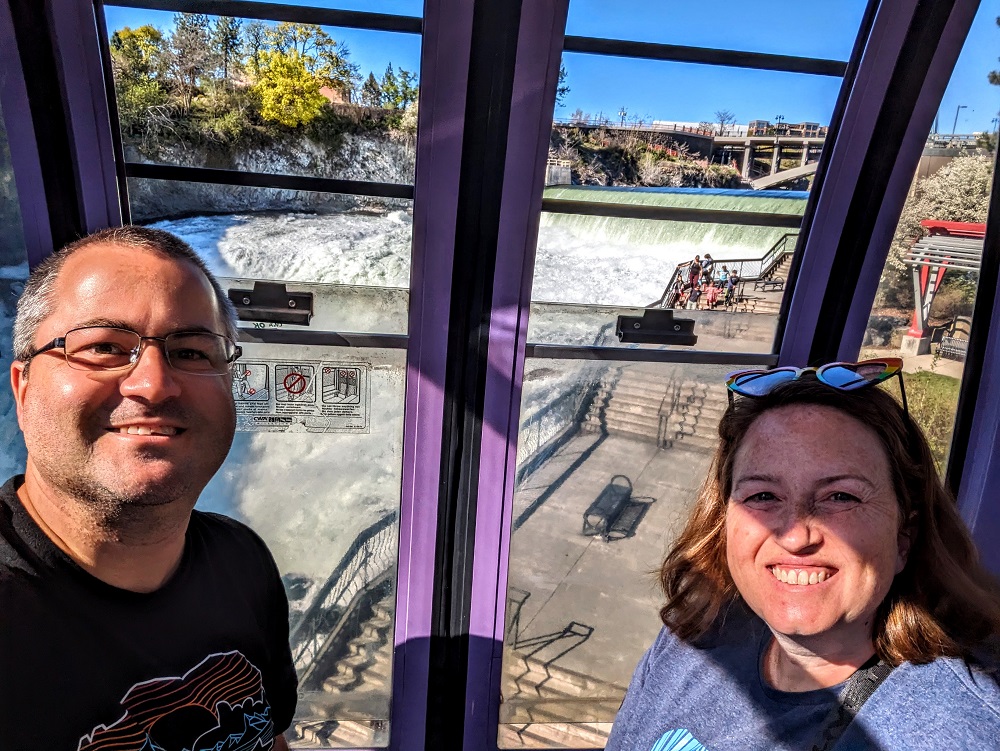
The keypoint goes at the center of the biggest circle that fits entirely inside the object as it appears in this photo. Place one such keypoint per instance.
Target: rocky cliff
(368, 157)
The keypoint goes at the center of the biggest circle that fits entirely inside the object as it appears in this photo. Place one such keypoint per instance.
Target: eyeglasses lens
(108, 348)
(100, 348)
(199, 353)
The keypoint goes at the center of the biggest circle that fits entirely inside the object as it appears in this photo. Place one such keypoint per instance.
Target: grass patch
(933, 402)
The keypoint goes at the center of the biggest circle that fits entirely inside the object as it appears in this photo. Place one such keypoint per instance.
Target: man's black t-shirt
(202, 663)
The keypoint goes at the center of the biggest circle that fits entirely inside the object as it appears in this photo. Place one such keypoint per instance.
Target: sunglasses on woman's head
(845, 376)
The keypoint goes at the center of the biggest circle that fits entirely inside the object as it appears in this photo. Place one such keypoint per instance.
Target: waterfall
(679, 241)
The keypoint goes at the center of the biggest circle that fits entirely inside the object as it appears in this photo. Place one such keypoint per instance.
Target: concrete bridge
(754, 156)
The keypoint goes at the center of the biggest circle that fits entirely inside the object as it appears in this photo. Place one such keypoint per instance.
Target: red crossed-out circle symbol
(295, 383)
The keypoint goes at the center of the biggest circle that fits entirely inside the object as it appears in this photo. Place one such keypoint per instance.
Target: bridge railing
(370, 557)
(656, 125)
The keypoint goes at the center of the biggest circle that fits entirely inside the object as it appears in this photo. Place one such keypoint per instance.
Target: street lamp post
(779, 125)
(958, 109)
(621, 113)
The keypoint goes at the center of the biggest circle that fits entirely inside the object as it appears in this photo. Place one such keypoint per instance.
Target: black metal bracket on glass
(271, 302)
(656, 327)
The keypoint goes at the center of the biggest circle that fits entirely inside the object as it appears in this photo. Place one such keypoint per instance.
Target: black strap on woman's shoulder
(861, 686)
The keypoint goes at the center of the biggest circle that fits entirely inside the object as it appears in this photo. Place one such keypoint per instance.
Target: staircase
(767, 302)
(644, 405)
(627, 404)
(546, 706)
(340, 715)
(693, 423)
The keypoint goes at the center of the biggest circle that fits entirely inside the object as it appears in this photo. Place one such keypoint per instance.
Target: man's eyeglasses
(111, 348)
(845, 376)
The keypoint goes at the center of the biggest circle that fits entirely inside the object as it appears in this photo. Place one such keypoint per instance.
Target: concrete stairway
(341, 714)
(645, 406)
(546, 706)
(768, 302)
(694, 420)
(628, 404)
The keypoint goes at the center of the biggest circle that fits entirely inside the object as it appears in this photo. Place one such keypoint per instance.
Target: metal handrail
(537, 440)
(369, 558)
(748, 269)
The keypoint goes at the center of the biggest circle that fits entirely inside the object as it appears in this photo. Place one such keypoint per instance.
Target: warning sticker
(280, 396)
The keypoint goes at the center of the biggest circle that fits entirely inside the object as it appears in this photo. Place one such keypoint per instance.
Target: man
(130, 621)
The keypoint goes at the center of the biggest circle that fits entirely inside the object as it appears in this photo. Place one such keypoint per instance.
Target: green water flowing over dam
(680, 240)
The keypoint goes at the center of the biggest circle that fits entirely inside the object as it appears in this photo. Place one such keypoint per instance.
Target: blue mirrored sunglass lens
(849, 378)
(758, 384)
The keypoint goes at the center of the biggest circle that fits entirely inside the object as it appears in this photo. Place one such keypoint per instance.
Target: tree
(254, 44)
(561, 88)
(289, 93)
(136, 61)
(994, 75)
(724, 118)
(136, 53)
(371, 92)
(324, 58)
(398, 91)
(225, 38)
(958, 192)
(188, 54)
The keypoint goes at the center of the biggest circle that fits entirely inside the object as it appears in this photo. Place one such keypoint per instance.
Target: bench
(952, 348)
(769, 284)
(600, 517)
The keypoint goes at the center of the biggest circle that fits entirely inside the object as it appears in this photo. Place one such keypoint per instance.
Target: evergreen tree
(371, 92)
(255, 44)
(226, 40)
(398, 91)
(561, 88)
(407, 89)
(188, 54)
(390, 88)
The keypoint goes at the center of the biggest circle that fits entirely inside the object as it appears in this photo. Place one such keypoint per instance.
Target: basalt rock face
(372, 158)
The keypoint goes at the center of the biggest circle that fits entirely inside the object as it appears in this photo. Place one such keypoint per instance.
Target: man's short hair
(36, 302)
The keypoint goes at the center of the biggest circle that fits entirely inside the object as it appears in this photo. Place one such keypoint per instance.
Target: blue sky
(672, 91)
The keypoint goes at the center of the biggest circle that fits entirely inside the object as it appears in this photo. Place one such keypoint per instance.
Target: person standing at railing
(731, 283)
(708, 268)
(723, 277)
(694, 271)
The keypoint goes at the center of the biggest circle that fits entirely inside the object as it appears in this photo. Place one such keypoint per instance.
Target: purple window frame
(538, 47)
(23, 147)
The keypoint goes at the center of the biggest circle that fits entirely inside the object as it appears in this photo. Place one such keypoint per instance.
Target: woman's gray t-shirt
(713, 697)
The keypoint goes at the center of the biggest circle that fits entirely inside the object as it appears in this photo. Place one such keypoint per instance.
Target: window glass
(13, 272)
(301, 236)
(315, 469)
(316, 465)
(927, 291)
(258, 96)
(772, 26)
(390, 7)
(642, 181)
(610, 458)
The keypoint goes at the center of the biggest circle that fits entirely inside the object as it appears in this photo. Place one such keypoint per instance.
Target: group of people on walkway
(704, 288)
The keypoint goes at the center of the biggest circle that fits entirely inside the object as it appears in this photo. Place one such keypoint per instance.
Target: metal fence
(366, 563)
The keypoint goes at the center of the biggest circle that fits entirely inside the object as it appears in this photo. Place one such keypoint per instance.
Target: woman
(823, 559)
